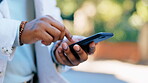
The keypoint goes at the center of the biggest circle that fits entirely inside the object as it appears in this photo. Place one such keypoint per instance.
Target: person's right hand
(46, 29)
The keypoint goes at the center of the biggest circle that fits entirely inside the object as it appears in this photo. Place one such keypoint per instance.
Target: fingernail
(77, 48)
(71, 38)
(65, 47)
(93, 45)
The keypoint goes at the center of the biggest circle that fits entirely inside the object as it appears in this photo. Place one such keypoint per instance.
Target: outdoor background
(122, 17)
(127, 19)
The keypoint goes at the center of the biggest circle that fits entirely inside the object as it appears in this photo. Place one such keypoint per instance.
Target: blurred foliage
(124, 18)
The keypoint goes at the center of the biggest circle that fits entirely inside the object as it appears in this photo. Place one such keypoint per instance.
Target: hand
(46, 29)
(64, 56)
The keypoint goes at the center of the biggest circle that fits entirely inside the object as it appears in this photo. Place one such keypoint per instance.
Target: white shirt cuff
(17, 40)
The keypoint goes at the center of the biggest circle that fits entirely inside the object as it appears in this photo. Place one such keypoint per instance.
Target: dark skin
(48, 30)
(70, 60)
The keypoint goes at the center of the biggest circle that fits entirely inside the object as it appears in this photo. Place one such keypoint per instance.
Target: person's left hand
(64, 56)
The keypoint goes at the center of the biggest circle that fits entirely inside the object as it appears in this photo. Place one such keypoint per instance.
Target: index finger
(61, 27)
(68, 35)
(55, 23)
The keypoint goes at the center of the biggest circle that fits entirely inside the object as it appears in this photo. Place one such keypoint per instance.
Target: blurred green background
(124, 18)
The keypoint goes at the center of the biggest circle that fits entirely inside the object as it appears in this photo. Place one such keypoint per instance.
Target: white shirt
(22, 67)
(8, 28)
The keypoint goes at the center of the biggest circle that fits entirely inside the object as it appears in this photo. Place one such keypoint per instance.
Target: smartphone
(84, 44)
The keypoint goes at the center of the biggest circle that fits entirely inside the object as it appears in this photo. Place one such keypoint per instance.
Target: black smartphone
(84, 44)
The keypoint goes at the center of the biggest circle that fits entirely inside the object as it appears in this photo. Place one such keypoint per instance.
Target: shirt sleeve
(17, 40)
(52, 53)
(8, 31)
(60, 67)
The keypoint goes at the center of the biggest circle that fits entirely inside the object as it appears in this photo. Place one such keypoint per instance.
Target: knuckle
(40, 23)
(36, 31)
(50, 39)
(58, 33)
(61, 38)
(62, 28)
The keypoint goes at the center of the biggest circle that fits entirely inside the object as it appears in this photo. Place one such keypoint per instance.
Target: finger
(53, 31)
(57, 54)
(92, 47)
(62, 58)
(70, 56)
(55, 23)
(62, 35)
(82, 54)
(58, 44)
(68, 35)
(61, 27)
(45, 37)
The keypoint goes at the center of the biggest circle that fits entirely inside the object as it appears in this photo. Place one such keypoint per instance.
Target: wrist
(22, 26)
